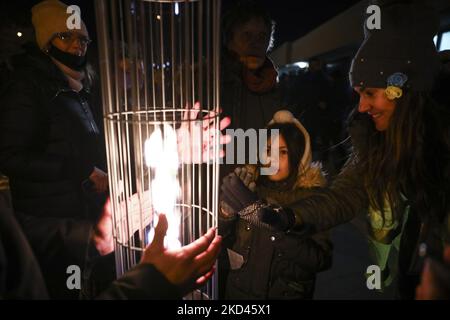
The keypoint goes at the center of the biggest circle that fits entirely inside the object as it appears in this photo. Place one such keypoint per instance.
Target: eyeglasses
(70, 37)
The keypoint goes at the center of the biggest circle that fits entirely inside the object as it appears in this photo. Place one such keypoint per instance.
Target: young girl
(265, 263)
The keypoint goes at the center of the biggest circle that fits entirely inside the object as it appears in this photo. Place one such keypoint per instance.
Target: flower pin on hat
(395, 84)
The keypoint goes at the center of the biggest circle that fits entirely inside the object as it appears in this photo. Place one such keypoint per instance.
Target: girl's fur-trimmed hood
(310, 174)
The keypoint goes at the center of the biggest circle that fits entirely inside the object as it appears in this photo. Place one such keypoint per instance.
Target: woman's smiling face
(374, 102)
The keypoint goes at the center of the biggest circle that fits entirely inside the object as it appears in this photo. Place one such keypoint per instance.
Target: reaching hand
(435, 279)
(235, 194)
(189, 267)
(102, 236)
(247, 177)
(100, 180)
(226, 211)
(196, 138)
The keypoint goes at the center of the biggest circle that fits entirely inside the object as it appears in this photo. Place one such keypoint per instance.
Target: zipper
(83, 105)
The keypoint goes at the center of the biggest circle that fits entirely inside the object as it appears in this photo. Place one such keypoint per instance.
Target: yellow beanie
(50, 17)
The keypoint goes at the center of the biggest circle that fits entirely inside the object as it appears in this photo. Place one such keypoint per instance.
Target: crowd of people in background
(377, 145)
(322, 99)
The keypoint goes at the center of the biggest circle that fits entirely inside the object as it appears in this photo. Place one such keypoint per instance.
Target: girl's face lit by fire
(283, 160)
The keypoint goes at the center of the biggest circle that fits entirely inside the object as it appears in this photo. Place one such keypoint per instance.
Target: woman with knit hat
(267, 263)
(398, 174)
(50, 145)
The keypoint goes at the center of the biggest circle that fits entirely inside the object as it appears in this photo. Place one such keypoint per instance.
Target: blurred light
(435, 40)
(177, 9)
(445, 41)
(158, 17)
(19, 34)
(302, 64)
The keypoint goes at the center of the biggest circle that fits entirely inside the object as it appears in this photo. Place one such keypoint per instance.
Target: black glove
(235, 194)
(279, 218)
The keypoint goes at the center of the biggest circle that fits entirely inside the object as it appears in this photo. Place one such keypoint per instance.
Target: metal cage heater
(159, 64)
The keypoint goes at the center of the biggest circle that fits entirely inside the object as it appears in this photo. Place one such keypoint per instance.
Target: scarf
(74, 77)
(262, 80)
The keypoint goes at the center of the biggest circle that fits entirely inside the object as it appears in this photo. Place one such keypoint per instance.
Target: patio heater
(159, 67)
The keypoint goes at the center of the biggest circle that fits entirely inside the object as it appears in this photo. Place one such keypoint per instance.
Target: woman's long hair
(411, 158)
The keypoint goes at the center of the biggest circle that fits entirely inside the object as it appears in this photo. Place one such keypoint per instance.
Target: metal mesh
(157, 60)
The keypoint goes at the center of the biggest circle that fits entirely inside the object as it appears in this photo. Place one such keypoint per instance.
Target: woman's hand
(100, 180)
(435, 279)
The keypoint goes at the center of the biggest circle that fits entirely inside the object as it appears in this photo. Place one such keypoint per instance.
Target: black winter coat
(49, 145)
(49, 142)
(248, 110)
(20, 275)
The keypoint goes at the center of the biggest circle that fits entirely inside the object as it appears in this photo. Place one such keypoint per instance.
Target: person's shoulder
(32, 72)
(33, 63)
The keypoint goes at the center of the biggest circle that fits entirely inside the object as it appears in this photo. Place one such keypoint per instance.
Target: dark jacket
(276, 265)
(49, 145)
(49, 142)
(20, 274)
(247, 109)
(347, 198)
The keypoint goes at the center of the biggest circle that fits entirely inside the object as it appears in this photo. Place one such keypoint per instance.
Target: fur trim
(313, 177)
(310, 174)
(285, 116)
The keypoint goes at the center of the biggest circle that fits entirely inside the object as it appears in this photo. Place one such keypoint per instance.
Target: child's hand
(226, 211)
(235, 194)
(247, 178)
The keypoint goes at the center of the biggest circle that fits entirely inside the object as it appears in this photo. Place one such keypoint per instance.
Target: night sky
(294, 18)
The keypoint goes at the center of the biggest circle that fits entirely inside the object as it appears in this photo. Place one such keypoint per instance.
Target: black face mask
(71, 60)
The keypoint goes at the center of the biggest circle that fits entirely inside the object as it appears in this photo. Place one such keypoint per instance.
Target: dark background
(294, 18)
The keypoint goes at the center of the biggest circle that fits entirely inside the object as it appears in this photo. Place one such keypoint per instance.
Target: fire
(161, 156)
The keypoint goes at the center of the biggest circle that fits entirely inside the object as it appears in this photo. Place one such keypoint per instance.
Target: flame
(161, 156)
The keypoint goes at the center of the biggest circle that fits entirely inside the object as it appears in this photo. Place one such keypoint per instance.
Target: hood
(310, 174)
